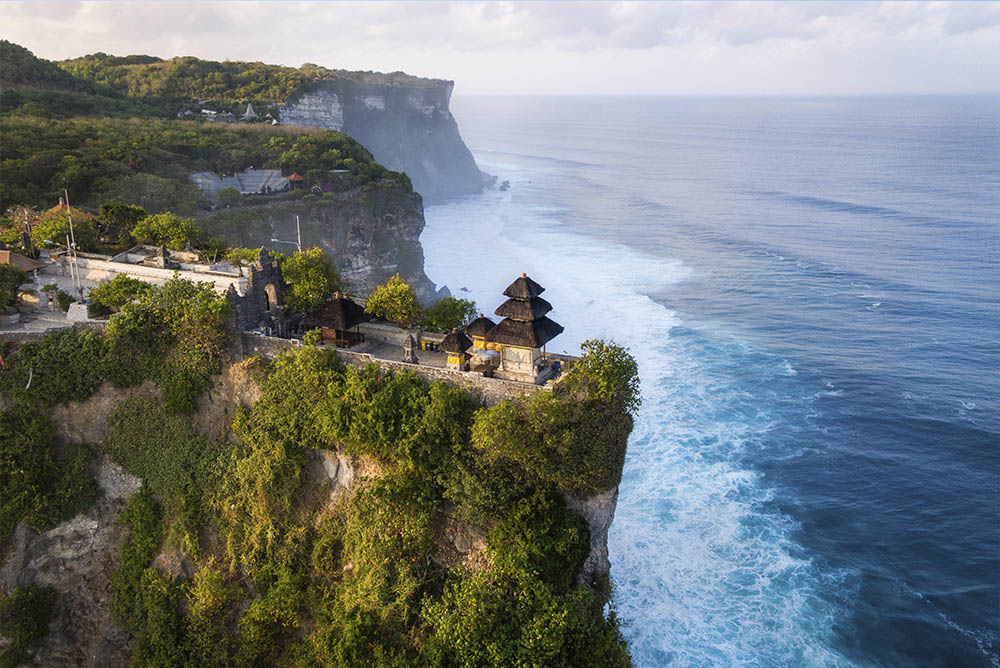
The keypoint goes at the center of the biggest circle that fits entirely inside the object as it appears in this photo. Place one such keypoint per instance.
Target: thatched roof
(19, 261)
(455, 342)
(519, 309)
(339, 313)
(526, 334)
(480, 326)
(523, 288)
(61, 208)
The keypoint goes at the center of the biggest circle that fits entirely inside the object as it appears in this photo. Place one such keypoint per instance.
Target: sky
(664, 48)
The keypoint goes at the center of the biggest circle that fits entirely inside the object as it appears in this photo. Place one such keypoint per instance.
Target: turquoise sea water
(811, 288)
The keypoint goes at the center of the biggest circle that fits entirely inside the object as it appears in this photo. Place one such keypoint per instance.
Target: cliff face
(408, 128)
(370, 234)
(78, 557)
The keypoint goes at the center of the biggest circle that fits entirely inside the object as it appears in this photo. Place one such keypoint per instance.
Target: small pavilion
(336, 318)
(478, 329)
(456, 344)
(522, 334)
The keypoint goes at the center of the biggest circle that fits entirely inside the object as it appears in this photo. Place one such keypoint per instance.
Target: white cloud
(538, 47)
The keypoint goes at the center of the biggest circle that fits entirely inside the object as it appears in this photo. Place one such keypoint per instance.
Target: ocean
(811, 288)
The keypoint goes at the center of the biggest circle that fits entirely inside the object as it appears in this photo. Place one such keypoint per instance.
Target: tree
(111, 295)
(395, 301)
(166, 229)
(229, 197)
(448, 313)
(312, 279)
(242, 257)
(117, 220)
(10, 279)
(606, 372)
(55, 228)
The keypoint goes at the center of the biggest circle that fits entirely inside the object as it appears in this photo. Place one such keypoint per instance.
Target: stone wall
(19, 337)
(94, 271)
(488, 391)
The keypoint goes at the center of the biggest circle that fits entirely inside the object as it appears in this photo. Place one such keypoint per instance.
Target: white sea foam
(704, 574)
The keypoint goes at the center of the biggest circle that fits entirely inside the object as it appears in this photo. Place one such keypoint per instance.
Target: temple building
(336, 318)
(522, 334)
(456, 344)
(477, 331)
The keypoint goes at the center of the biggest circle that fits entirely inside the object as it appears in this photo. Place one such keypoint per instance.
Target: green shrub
(263, 474)
(24, 620)
(166, 229)
(242, 257)
(501, 619)
(54, 229)
(39, 487)
(173, 459)
(112, 295)
(606, 373)
(160, 639)
(10, 280)
(269, 620)
(575, 438)
(539, 535)
(229, 197)
(62, 366)
(116, 220)
(64, 299)
(395, 301)
(143, 517)
(209, 600)
(312, 279)
(313, 337)
(175, 334)
(448, 313)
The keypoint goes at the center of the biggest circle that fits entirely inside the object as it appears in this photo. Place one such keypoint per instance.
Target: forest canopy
(148, 162)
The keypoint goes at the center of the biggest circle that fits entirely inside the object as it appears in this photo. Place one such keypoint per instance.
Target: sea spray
(703, 573)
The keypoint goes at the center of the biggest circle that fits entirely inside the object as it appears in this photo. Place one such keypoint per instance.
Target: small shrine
(456, 344)
(477, 331)
(521, 336)
(336, 318)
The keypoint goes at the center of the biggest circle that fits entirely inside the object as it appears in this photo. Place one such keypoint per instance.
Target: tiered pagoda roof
(524, 323)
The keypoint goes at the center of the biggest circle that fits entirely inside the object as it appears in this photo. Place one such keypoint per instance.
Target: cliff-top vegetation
(148, 162)
(147, 86)
(285, 574)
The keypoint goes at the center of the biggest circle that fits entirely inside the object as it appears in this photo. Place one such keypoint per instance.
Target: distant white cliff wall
(408, 127)
(321, 108)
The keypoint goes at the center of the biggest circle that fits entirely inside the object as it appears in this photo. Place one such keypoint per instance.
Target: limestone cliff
(369, 233)
(78, 557)
(407, 126)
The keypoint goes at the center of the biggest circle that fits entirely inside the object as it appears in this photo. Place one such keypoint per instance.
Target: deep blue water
(811, 287)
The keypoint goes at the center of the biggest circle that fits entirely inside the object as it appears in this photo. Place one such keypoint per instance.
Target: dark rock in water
(406, 125)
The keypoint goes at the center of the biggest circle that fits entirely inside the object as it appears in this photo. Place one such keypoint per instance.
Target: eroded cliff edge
(408, 127)
(369, 233)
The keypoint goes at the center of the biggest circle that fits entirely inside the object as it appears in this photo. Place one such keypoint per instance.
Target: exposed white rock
(373, 101)
(321, 108)
(599, 511)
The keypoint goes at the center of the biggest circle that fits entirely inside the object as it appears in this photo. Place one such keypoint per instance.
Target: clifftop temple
(513, 349)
